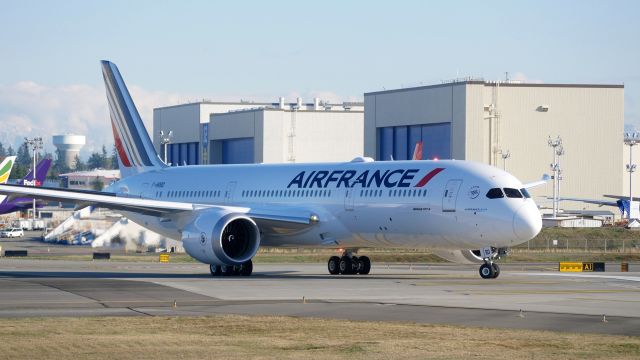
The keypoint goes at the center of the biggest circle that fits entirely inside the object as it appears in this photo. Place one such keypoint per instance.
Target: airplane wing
(591, 201)
(542, 181)
(620, 197)
(286, 218)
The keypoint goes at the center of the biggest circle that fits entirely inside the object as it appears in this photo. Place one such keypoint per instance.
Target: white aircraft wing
(590, 201)
(285, 218)
(620, 197)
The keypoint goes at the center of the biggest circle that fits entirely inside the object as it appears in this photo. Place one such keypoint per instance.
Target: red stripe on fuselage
(428, 177)
(119, 147)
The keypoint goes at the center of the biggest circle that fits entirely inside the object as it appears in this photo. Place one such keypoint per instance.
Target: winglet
(542, 181)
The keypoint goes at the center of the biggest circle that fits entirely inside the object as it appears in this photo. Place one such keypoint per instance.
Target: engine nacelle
(221, 238)
(460, 256)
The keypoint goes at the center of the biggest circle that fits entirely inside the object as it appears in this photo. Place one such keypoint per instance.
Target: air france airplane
(224, 213)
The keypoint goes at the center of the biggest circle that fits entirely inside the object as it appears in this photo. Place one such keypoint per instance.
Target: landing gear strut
(349, 264)
(491, 270)
(245, 269)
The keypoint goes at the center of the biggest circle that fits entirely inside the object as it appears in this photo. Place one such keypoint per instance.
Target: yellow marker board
(164, 258)
(570, 266)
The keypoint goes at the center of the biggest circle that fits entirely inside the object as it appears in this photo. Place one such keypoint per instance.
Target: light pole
(631, 139)
(35, 144)
(164, 140)
(558, 151)
(505, 156)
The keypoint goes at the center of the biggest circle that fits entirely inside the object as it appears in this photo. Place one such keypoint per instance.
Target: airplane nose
(527, 222)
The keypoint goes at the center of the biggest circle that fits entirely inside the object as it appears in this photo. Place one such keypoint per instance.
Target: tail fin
(417, 151)
(5, 168)
(41, 173)
(136, 153)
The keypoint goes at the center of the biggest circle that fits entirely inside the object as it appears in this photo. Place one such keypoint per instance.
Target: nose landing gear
(349, 264)
(491, 270)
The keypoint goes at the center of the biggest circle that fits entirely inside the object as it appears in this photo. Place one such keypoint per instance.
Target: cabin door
(450, 195)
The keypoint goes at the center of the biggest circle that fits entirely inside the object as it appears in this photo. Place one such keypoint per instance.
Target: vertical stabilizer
(5, 168)
(41, 173)
(135, 150)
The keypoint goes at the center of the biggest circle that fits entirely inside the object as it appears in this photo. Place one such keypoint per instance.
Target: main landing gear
(491, 270)
(348, 264)
(232, 270)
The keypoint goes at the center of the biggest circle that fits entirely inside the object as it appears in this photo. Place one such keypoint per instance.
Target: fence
(586, 245)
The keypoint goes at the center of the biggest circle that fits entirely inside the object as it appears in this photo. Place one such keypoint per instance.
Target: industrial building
(503, 123)
(507, 124)
(96, 179)
(249, 132)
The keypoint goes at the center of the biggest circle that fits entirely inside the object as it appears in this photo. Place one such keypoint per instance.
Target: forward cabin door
(450, 195)
(228, 194)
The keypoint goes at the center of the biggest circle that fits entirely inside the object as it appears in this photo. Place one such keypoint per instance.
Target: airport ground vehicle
(12, 233)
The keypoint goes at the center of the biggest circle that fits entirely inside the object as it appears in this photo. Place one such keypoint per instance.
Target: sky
(171, 52)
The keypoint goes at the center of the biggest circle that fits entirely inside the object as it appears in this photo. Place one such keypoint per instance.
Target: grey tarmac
(525, 296)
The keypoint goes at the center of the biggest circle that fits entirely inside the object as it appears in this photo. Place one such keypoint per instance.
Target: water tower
(69, 147)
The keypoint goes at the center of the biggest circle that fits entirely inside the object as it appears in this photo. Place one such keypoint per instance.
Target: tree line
(24, 161)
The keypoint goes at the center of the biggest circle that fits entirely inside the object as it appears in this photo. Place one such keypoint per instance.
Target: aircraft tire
(364, 265)
(246, 268)
(496, 270)
(215, 270)
(346, 265)
(486, 271)
(227, 270)
(334, 265)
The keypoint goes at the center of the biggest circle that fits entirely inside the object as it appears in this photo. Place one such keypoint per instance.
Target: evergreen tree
(105, 158)
(23, 156)
(10, 151)
(59, 166)
(114, 157)
(79, 164)
(3, 152)
(97, 184)
(95, 161)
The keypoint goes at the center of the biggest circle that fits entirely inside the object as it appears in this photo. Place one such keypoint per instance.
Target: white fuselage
(358, 204)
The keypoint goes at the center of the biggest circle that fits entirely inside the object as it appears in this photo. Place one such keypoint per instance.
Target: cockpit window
(512, 193)
(495, 193)
(525, 193)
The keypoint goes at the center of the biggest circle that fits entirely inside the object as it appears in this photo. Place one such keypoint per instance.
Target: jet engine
(219, 238)
(460, 256)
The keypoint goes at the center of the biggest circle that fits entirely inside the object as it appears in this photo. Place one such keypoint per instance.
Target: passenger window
(512, 193)
(495, 193)
(525, 193)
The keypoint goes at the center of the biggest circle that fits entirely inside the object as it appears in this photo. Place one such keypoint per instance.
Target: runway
(527, 296)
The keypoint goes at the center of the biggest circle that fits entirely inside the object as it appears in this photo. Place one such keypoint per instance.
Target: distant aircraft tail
(5, 168)
(41, 173)
(417, 152)
(135, 150)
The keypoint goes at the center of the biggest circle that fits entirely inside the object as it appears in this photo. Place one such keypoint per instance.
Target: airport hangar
(249, 132)
(468, 119)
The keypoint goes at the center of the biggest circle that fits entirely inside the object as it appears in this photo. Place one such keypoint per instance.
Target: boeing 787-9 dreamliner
(224, 213)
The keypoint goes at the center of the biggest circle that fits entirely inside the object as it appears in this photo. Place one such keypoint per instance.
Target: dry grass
(263, 337)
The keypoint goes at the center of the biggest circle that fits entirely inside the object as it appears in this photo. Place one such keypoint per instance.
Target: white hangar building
(482, 121)
(248, 132)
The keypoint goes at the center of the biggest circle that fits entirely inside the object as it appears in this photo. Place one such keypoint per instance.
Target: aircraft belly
(155, 224)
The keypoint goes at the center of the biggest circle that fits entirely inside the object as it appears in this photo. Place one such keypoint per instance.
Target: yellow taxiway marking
(552, 292)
